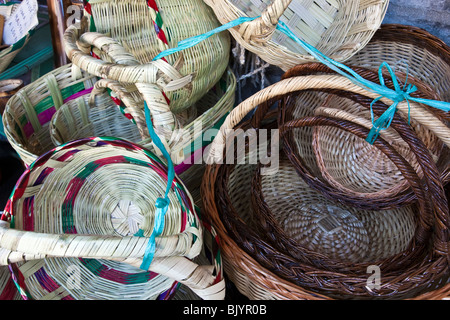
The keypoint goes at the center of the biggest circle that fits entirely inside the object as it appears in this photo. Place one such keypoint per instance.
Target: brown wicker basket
(312, 272)
(412, 50)
(344, 166)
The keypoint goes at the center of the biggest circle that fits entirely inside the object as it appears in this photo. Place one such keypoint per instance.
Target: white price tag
(22, 20)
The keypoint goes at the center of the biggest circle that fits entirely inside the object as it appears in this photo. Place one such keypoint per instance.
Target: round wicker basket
(28, 112)
(347, 167)
(79, 225)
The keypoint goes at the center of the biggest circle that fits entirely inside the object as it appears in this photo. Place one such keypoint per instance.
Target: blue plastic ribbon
(396, 95)
(162, 204)
(190, 42)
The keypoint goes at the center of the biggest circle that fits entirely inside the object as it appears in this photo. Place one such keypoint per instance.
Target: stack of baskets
(92, 97)
(337, 217)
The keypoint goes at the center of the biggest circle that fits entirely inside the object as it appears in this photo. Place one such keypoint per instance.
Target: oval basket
(312, 273)
(337, 28)
(95, 222)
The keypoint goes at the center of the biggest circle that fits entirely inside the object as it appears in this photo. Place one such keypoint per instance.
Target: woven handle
(151, 79)
(133, 106)
(261, 29)
(291, 85)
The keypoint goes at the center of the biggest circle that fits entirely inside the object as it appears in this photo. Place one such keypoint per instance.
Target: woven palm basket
(28, 112)
(8, 54)
(347, 167)
(129, 34)
(337, 28)
(421, 269)
(95, 222)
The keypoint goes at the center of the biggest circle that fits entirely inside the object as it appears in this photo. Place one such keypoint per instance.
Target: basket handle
(301, 83)
(151, 79)
(22, 246)
(262, 28)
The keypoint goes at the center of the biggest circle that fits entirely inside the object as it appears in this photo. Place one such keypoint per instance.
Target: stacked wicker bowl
(336, 210)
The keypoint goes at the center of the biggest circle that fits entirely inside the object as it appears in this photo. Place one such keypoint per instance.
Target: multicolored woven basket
(96, 227)
(28, 112)
(137, 32)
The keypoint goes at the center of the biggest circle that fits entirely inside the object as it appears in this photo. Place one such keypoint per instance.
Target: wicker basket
(93, 217)
(338, 29)
(135, 36)
(28, 113)
(8, 290)
(420, 270)
(410, 50)
(346, 167)
(8, 54)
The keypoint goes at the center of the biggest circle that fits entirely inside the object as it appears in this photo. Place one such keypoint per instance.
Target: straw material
(337, 28)
(28, 113)
(95, 114)
(86, 210)
(7, 55)
(8, 290)
(130, 34)
(409, 50)
(420, 270)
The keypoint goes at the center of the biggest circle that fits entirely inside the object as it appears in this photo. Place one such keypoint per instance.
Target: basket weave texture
(337, 28)
(90, 214)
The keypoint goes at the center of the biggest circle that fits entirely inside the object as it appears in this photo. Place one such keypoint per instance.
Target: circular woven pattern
(298, 213)
(90, 187)
(337, 28)
(421, 270)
